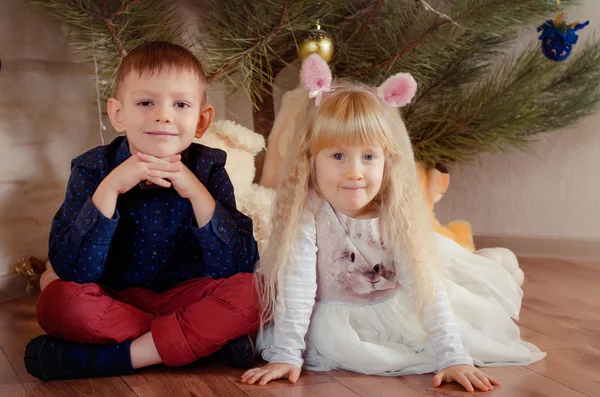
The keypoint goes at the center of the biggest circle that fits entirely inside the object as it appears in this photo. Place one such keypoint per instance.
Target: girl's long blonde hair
(351, 115)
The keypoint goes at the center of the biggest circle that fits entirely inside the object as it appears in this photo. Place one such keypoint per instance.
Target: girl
(351, 278)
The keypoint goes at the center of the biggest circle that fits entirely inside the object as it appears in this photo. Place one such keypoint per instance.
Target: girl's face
(350, 177)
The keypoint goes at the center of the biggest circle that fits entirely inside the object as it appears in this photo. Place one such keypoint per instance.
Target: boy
(153, 257)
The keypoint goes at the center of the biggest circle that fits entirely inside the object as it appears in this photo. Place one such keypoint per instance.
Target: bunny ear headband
(315, 75)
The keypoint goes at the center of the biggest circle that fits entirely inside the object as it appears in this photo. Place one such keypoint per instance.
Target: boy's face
(160, 114)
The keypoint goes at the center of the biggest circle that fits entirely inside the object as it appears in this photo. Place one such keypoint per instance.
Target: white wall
(550, 190)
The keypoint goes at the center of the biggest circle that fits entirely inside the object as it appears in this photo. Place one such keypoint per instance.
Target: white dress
(342, 307)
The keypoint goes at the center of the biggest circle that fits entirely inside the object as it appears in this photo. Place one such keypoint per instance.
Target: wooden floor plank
(386, 386)
(333, 389)
(10, 385)
(197, 382)
(559, 323)
(562, 272)
(574, 367)
(542, 341)
(18, 324)
(548, 285)
(521, 382)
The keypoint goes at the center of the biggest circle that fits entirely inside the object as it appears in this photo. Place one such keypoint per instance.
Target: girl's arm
(453, 361)
(446, 341)
(295, 300)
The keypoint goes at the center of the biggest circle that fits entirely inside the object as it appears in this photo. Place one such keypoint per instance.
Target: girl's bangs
(350, 118)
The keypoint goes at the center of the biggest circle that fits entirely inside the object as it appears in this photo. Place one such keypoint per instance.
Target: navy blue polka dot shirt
(153, 240)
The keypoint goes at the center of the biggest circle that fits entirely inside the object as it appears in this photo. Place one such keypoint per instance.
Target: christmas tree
(473, 95)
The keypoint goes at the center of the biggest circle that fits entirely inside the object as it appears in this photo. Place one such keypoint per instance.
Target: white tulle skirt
(386, 338)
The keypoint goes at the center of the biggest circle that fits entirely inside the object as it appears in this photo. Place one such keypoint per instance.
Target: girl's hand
(269, 372)
(468, 376)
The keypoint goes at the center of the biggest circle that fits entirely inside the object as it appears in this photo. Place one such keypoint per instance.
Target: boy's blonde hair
(352, 115)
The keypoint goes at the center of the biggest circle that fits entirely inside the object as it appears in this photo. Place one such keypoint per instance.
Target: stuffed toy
(434, 182)
(283, 127)
(242, 145)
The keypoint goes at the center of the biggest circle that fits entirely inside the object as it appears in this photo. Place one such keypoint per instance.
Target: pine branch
(107, 17)
(376, 7)
(518, 101)
(115, 37)
(411, 47)
(125, 8)
(91, 13)
(225, 68)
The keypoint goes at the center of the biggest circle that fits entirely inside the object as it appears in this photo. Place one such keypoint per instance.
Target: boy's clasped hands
(164, 172)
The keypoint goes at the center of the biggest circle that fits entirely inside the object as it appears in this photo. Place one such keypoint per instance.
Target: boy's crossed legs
(176, 327)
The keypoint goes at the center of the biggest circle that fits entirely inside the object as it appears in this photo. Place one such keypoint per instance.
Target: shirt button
(220, 229)
(156, 212)
(153, 253)
(88, 221)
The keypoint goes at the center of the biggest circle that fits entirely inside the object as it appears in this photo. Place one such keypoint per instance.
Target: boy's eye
(338, 156)
(181, 105)
(145, 103)
(368, 157)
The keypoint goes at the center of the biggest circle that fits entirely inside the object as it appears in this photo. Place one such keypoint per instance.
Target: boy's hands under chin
(127, 175)
(468, 376)
(269, 372)
(182, 179)
(135, 170)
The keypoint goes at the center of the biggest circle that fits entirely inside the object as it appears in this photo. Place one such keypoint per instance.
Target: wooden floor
(561, 314)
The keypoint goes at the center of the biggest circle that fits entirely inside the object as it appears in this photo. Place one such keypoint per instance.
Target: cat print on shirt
(353, 268)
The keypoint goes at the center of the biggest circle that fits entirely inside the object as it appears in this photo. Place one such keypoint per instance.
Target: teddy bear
(434, 182)
(242, 145)
(283, 126)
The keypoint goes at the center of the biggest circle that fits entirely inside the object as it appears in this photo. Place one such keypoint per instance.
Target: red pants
(189, 321)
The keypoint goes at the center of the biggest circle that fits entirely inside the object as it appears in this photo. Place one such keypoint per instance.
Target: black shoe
(239, 353)
(49, 358)
(43, 356)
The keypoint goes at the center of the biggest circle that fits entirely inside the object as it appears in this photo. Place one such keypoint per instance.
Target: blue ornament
(558, 38)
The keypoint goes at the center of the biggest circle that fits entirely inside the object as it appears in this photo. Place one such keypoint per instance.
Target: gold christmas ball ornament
(317, 41)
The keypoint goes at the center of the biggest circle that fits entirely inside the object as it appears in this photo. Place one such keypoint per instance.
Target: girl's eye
(368, 157)
(338, 156)
(181, 105)
(145, 103)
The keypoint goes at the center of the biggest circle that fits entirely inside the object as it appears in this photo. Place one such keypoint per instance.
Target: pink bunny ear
(315, 76)
(398, 90)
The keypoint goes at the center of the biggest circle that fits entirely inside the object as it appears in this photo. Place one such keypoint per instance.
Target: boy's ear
(207, 113)
(115, 113)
